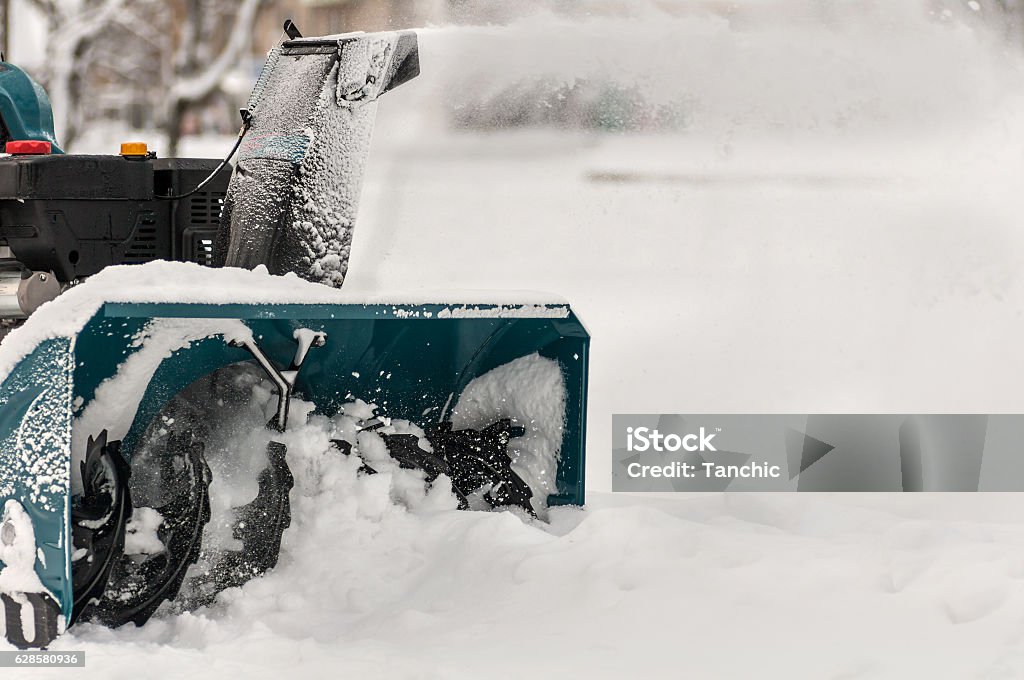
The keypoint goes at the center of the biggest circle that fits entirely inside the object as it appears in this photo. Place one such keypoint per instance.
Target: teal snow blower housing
(25, 109)
(113, 398)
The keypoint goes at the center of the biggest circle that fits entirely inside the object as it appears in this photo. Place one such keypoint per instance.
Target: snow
(530, 311)
(18, 551)
(359, 410)
(531, 391)
(18, 577)
(838, 231)
(196, 86)
(306, 338)
(28, 461)
(141, 533)
(236, 451)
(814, 586)
(407, 487)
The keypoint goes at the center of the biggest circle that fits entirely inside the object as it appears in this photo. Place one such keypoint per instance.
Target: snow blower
(114, 398)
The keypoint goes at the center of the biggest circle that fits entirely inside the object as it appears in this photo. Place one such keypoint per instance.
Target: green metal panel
(429, 353)
(35, 450)
(25, 108)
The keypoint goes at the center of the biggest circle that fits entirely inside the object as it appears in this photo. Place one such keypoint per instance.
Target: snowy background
(813, 216)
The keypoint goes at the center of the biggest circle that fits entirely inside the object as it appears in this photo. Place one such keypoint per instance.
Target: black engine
(72, 216)
(291, 206)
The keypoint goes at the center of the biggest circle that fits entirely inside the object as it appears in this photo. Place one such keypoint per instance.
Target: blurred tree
(72, 29)
(173, 55)
(198, 66)
(5, 25)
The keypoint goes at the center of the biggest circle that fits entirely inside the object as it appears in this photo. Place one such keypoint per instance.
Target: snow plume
(807, 67)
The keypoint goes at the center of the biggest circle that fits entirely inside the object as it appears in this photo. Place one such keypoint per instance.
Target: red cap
(28, 147)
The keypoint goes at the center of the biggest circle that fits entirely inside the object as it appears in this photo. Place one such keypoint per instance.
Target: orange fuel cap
(28, 147)
(134, 149)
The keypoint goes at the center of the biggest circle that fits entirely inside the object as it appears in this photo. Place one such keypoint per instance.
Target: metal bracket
(291, 30)
(284, 380)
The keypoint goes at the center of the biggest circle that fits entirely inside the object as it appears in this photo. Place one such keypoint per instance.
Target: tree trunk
(174, 123)
(196, 80)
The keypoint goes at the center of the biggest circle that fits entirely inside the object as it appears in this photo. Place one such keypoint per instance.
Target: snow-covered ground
(839, 229)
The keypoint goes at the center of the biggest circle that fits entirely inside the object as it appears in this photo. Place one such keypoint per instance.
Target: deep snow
(838, 230)
(718, 586)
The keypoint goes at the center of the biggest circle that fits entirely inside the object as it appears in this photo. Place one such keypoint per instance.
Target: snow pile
(531, 392)
(236, 453)
(408, 487)
(18, 551)
(656, 588)
(153, 282)
(27, 462)
(141, 533)
(17, 568)
(324, 477)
